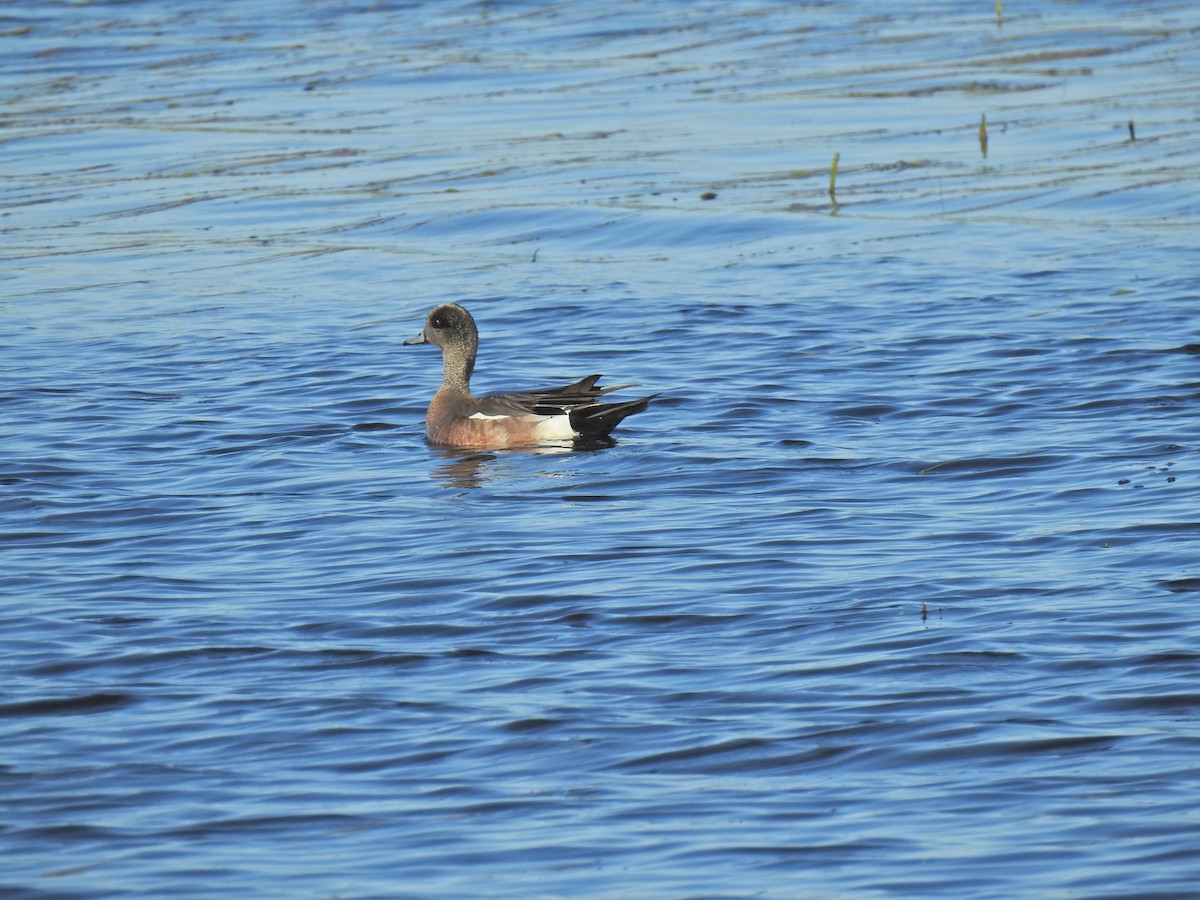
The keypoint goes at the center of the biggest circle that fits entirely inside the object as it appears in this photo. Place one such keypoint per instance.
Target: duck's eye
(439, 320)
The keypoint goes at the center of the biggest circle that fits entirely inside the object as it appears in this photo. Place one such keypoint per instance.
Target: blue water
(891, 593)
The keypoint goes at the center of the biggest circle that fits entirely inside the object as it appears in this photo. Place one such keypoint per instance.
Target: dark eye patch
(439, 320)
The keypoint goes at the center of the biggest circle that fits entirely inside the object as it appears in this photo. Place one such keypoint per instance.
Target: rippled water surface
(893, 592)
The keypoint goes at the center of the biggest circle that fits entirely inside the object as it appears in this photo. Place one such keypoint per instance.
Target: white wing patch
(480, 415)
(555, 428)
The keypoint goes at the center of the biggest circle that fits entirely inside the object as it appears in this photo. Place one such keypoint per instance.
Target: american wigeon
(457, 418)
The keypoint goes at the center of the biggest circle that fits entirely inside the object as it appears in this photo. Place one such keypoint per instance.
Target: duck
(458, 419)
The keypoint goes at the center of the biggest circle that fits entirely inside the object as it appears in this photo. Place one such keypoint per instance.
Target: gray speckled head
(452, 328)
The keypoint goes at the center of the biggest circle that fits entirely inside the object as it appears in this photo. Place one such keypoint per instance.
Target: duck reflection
(469, 470)
(463, 472)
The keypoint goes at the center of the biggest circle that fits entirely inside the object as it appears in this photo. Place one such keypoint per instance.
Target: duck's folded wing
(546, 401)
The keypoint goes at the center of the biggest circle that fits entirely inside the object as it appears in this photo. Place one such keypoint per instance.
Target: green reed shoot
(833, 180)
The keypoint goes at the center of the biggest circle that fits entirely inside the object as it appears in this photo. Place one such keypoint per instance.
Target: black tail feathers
(595, 421)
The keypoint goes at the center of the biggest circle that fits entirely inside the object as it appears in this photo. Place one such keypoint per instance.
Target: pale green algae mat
(891, 593)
